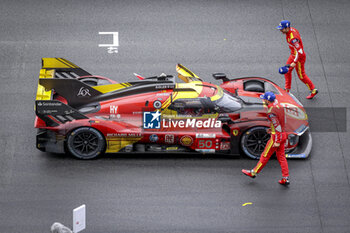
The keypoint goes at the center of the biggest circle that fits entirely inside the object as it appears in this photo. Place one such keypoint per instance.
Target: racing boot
(284, 181)
(249, 173)
(312, 94)
(287, 90)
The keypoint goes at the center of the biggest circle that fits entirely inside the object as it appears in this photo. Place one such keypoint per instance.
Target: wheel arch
(243, 133)
(79, 127)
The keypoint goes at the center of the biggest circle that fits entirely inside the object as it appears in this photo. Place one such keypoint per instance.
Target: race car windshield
(227, 103)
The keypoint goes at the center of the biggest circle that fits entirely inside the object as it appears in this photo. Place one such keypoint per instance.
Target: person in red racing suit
(276, 116)
(296, 59)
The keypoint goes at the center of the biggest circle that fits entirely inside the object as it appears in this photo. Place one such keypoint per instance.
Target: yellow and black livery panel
(59, 76)
(185, 74)
(65, 78)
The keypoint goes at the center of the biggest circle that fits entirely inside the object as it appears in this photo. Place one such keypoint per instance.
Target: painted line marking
(247, 203)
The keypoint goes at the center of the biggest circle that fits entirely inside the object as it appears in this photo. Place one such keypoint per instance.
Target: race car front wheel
(85, 143)
(254, 140)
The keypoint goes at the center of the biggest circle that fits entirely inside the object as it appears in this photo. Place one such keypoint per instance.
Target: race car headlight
(293, 139)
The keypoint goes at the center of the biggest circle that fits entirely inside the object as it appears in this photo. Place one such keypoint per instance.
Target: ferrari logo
(235, 132)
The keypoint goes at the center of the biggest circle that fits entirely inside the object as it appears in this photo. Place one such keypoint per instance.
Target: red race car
(89, 115)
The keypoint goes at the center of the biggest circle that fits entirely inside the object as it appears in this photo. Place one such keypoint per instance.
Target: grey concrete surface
(172, 193)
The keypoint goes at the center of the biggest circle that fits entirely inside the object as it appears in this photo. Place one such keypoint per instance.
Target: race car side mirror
(221, 76)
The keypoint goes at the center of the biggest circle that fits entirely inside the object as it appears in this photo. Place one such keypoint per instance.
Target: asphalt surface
(172, 193)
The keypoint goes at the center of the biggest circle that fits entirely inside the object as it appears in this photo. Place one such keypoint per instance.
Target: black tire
(253, 141)
(86, 143)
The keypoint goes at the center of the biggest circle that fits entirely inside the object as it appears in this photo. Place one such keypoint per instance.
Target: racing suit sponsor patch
(295, 40)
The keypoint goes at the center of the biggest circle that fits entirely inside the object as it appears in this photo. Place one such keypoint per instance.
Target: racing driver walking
(296, 59)
(276, 117)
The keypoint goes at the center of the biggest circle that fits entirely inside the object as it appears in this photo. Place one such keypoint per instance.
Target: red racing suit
(297, 56)
(276, 116)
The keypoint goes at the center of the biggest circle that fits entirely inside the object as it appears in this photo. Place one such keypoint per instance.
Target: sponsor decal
(151, 120)
(301, 129)
(54, 104)
(83, 92)
(111, 48)
(153, 138)
(186, 140)
(165, 86)
(172, 148)
(296, 156)
(225, 146)
(235, 132)
(205, 135)
(163, 94)
(191, 123)
(123, 135)
(294, 111)
(49, 111)
(206, 150)
(169, 138)
(113, 109)
(157, 104)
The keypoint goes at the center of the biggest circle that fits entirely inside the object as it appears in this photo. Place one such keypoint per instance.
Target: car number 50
(205, 144)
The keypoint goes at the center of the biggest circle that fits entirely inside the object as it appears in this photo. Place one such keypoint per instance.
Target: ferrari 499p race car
(88, 115)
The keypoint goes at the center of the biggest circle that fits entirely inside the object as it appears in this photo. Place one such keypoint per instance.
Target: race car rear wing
(59, 75)
(63, 67)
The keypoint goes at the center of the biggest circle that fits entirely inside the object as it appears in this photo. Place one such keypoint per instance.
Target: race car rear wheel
(86, 143)
(254, 140)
